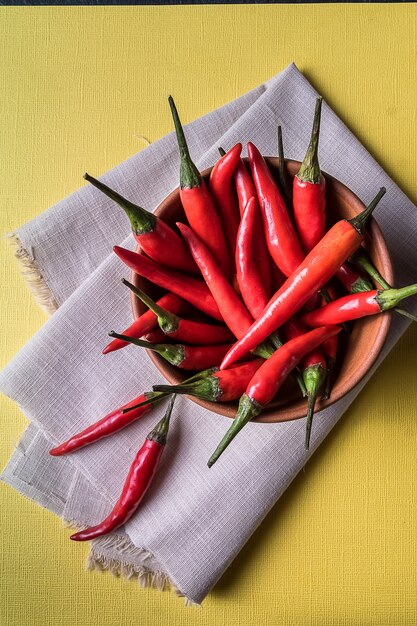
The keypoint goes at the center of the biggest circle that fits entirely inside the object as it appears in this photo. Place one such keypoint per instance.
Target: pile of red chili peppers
(255, 288)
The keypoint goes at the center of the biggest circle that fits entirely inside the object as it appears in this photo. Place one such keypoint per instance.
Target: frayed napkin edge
(33, 277)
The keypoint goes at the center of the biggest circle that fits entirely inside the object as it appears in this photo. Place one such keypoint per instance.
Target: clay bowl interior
(357, 351)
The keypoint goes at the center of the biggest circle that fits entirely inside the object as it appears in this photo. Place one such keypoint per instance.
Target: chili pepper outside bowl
(357, 352)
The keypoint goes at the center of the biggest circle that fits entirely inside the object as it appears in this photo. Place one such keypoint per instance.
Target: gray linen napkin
(194, 520)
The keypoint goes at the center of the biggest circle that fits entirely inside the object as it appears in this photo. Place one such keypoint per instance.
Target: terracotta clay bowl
(357, 351)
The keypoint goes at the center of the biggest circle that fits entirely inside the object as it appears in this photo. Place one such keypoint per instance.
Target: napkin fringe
(145, 576)
(33, 276)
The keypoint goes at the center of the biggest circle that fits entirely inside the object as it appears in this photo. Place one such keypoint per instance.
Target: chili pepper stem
(160, 432)
(152, 397)
(206, 389)
(167, 321)
(310, 169)
(359, 221)
(173, 353)
(314, 378)
(389, 298)
(189, 174)
(248, 409)
(141, 221)
(360, 259)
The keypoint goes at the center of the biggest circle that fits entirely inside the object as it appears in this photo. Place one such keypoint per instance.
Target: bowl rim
(276, 414)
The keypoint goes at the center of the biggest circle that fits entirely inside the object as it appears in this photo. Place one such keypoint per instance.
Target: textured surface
(347, 564)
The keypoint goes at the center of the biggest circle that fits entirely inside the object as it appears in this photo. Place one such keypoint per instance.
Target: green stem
(314, 377)
(173, 353)
(329, 378)
(160, 432)
(389, 298)
(222, 151)
(206, 388)
(310, 169)
(168, 322)
(189, 174)
(359, 221)
(141, 221)
(151, 398)
(248, 409)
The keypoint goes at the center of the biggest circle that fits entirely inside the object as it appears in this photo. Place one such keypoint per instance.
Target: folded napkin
(194, 520)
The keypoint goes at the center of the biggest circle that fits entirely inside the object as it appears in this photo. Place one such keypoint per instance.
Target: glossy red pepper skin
(309, 211)
(197, 202)
(283, 244)
(250, 283)
(220, 386)
(245, 190)
(294, 328)
(154, 236)
(232, 309)
(137, 483)
(147, 322)
(111, 423)
(190, 289)
(344, 309)
(312, 274)
(222, 189)
(269, 378)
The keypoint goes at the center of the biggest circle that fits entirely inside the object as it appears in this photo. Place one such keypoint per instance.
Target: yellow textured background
(79, 87)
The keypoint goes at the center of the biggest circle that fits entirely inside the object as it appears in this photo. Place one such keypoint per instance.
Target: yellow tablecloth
(86, 87)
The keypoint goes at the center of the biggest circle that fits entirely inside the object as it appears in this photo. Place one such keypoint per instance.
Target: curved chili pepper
(221, 386)
(268, 379)
(314, 370)
(282, 241)
(309, 192)
(314, 272)
(197, 202)
(110, 423)
(153, 235)
(352, 281)
(147, 322)
(138, 480)
(184, 330)
(362, 260)
(245, 190)
(182, 356)
(222, 189)
(249, 281)
(192, 290)
(358, 305)
(233, 311)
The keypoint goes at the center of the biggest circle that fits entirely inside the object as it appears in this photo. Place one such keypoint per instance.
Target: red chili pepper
(192, 290)
(197, 201)
(138, 480)
(222, 189)
(352, 281)
(109, 424)
(358, 305)
(314, 370)
(233, 311)
(184, 330)
(309, 192)
(182, 356)
(249, 281)
(245, 190)
(153, 235)
(147, 322)
(220, 386)
(268, 379)
(283, 244)
(314, 272)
